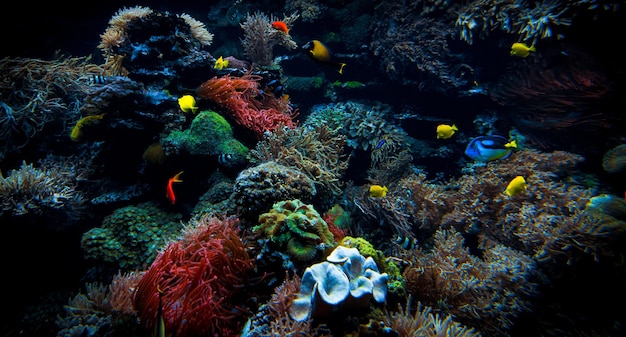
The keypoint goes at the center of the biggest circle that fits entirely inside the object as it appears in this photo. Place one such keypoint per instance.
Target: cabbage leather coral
(297, 228)
(199, 276)
(346, 280)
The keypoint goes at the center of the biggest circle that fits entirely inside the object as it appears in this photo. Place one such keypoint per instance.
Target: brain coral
(296, 227)
(257, 188)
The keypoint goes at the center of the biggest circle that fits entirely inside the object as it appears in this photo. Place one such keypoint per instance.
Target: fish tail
(176, 178)
(341, 65)
(532, 48)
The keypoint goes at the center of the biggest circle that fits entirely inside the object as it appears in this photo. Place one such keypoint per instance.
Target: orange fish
(280, 25)
(170, 187)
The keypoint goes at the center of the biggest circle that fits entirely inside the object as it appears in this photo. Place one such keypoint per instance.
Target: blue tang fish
(487, 148)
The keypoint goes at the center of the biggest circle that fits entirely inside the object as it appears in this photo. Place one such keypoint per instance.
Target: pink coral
(241, 97)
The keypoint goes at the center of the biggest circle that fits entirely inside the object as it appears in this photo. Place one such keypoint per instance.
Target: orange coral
(241, 97)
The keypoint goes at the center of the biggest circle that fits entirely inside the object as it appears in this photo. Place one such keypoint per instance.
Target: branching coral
(243, 101)
(260, 37)
(199, 276)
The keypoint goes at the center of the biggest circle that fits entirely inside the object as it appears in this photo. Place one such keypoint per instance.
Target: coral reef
(210, 134)
(315, 151)
(38, 94)
(159, 49)
(257, 188)
(346, 280)
(487, 293)
(424, 322)
(260, 38)
(199, 275)
(414, 49)
(102, 310)
(243, 102)
(30, 190)
(296, 229)
(130, 237)
(573, 96)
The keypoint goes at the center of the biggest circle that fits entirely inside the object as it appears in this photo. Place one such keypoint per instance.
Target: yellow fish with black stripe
(319, 53)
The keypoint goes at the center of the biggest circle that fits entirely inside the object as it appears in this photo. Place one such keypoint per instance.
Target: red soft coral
(198, 275)
(241, 97)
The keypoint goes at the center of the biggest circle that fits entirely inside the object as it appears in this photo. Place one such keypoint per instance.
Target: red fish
(170, 187)
(280, 25)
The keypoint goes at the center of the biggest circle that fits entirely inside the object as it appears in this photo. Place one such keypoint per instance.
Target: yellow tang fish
(220, 63)
(445, 131)
(377, 191)
(188, 104)
(521, 49)
(516, 186)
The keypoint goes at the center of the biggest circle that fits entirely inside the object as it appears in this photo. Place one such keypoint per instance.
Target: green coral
(131, 236)
(209, 134)
(396, 284)
(297, 228)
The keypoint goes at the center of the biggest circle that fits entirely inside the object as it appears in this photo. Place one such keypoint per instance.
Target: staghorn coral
(199, 275)
(243, 101)
(315, 151)
(130, 237)
(485, 293)
(296, 228)
(260, 38)
(257, 188)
